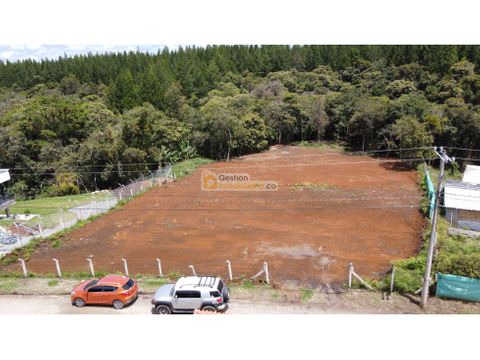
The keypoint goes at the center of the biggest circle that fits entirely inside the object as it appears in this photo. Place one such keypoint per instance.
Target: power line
(242, 166)
(97, 165)
(459, 148)
(237, 209)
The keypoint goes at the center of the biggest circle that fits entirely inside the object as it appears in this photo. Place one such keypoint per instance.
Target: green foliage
(408, 132)
(8, 285)
(53, 282)
(117, 116)
(247, 284)
(186, 167)
(459, 264)
(306, 294)
(400, 87)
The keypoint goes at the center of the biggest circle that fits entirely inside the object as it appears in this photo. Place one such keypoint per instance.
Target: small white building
(5, 201)
(462, 200)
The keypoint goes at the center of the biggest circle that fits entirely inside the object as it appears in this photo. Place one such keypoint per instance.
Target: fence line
(265, 271)
(10, 242)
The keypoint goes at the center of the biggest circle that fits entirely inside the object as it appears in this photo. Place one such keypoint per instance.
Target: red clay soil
(359, 210)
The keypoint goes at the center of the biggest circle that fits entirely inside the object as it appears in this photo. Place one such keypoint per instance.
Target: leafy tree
(408, 132)
(369, 116)
(69, 85)
(400, 87)
(123, 92)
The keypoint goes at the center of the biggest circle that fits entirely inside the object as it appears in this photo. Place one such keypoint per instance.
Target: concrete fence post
(392, 279)
(350, 274)
(141, 187)
(120, 194)
(159, 263)
(229, 265)
(193, 270)
(40, 229)
(57, 266)
(267, 275)
(131, 192)
(125, 266)
(24, 267)
(90, 265)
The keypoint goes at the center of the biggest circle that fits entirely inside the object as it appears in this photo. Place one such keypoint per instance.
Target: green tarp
(431, 192)
(458, 287)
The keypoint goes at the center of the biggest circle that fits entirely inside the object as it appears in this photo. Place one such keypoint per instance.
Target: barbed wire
(229, 209)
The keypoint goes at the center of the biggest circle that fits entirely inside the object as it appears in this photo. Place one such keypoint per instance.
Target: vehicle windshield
(128, 285)
(91, 283)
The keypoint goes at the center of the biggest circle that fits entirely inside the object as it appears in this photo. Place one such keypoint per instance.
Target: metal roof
(471, 174)
(461, 195)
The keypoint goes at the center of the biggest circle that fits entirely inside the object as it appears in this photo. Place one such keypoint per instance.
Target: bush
(408, 281)
(459, 264)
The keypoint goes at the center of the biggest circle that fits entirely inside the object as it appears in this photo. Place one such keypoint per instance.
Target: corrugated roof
(460, 195)
(471, 174)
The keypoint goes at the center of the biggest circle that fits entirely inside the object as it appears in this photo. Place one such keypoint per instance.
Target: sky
(39, 52)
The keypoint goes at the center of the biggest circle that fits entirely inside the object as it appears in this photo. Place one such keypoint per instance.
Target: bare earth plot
(330, 209)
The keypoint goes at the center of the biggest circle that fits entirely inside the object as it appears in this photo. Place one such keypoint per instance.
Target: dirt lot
(330, 209)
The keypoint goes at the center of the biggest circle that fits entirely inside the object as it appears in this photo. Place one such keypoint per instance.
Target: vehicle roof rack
(208, 280)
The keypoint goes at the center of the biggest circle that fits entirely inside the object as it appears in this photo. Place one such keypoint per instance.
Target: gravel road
(60, 304)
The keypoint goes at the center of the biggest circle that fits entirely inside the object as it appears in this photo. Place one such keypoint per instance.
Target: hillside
(92, 122)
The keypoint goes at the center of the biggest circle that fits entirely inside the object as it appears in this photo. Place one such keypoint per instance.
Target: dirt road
(57, 304)
(361, 302)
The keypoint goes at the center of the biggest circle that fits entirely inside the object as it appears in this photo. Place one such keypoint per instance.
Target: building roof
(462, 195)
(4, 175)
(471, 174)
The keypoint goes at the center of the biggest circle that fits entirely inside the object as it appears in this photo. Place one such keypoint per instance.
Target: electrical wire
(234, 209)
(242, 166)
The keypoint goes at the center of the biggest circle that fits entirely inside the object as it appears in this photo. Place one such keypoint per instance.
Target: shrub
(459, 264)
(408, 281)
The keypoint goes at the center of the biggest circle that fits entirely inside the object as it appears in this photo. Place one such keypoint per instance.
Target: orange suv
(116, 290)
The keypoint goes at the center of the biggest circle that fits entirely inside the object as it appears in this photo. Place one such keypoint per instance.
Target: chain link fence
(20, 233)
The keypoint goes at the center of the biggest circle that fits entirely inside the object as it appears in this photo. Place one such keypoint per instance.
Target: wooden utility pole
(444, 159)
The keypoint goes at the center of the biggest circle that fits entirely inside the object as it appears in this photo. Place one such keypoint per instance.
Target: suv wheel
(209, 308)
(163, 310)
(226, 294)
(117, 304)
(79, 302)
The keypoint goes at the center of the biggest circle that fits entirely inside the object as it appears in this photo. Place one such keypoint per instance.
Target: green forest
(95, 121)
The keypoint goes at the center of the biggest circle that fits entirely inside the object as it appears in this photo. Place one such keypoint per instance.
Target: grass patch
(50, 209)
(247, 284)
(8, 285)
(323, 145)
(306, 294)
(155, 281)
(53, 282)
(312, 186)
(186, 167)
